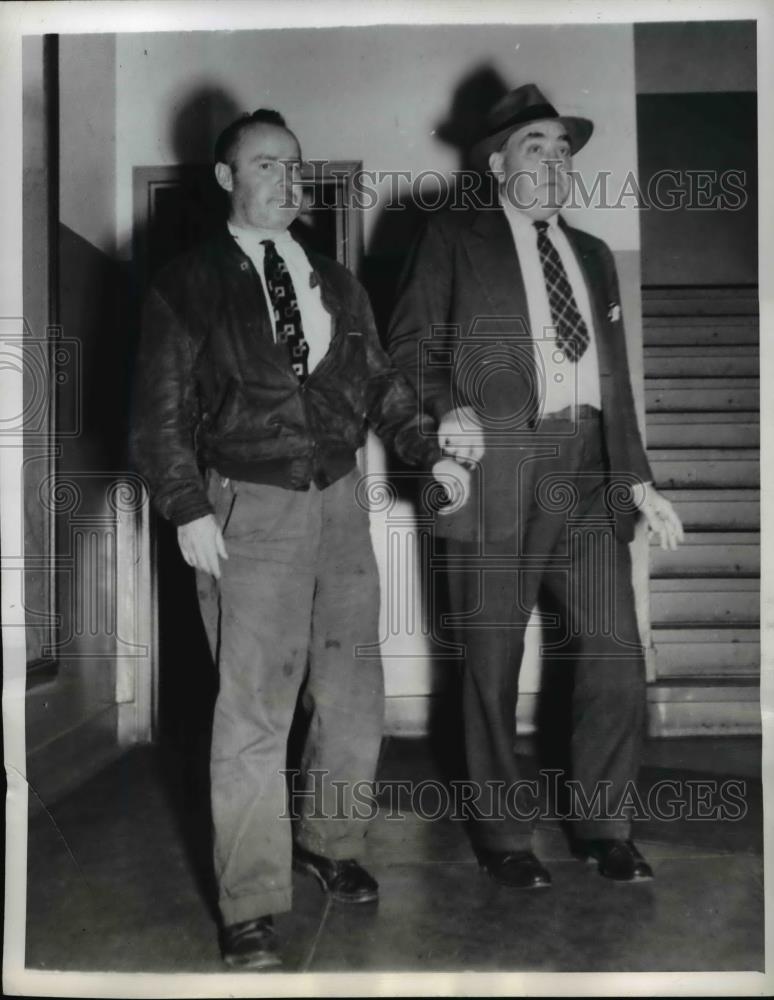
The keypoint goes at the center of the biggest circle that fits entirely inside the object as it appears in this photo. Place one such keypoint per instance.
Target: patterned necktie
(572, 336)
(287, 317)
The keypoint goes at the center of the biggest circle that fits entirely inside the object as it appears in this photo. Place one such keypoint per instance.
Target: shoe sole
(309, 869)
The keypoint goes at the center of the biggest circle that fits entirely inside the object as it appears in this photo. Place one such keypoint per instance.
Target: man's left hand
(661, 517)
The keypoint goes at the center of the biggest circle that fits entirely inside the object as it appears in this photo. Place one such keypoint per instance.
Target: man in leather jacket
(260, 369)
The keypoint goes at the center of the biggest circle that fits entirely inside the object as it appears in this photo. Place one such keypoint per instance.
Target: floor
(118, 880)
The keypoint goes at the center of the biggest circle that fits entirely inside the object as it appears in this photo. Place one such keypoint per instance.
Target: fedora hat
(518, 108)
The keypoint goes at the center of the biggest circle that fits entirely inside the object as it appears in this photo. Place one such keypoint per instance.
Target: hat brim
(578, 129)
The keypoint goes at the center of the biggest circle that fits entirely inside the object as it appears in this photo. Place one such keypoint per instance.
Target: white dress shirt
(315, 318)
(565, 383)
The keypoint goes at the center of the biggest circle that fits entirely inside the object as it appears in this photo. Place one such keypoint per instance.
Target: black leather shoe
(251, 944)
(344, 881)
(617, 859)
(516, 869)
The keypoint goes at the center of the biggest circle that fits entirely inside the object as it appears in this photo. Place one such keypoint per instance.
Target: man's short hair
(228, 139)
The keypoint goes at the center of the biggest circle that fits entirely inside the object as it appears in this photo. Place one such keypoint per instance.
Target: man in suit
(509, 322)
(260, 368)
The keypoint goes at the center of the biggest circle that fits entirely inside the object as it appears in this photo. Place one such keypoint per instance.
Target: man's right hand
(201, 543)
(455, 480)
(461, 436)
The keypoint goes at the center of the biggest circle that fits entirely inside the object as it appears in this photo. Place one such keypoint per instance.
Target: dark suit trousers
(566, 560)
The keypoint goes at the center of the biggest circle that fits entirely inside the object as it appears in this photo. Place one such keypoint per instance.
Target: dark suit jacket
(460, 331)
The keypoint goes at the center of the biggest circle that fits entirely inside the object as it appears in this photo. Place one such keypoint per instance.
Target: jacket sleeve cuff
(183, 511)
(432, 454)
(418, 445)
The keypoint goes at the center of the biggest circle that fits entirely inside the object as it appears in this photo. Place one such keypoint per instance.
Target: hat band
(524, 117)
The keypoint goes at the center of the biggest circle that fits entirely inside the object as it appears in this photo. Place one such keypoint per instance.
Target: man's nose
(553, 165)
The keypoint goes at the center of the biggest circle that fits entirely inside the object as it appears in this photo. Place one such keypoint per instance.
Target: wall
(36, 236)
(378, 94)
(695, 57)
(87, 137)
(708, 139)
(72, 722)
(697, 111)
(399, 99)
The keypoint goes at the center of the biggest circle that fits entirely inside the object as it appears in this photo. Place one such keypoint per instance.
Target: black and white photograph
(381, 495)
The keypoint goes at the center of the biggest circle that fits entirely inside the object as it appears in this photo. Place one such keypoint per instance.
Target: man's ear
(224, 177)
(496, 164)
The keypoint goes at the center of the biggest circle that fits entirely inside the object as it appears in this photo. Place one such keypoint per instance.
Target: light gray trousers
(297, 600)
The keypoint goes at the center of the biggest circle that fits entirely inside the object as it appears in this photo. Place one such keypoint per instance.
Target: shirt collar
(523, 222)
(254, 237)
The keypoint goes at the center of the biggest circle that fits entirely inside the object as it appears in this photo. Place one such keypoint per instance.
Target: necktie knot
(541, 226)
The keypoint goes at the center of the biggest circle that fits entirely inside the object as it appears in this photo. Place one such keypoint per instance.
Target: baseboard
(686, 712)
(64, 763)
(704, 709)
(414, 715)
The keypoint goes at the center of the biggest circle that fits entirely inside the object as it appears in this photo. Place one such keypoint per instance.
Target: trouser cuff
(340, 848)
(236, 909)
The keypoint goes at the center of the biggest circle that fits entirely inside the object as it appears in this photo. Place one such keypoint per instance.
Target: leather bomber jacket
(213, 389)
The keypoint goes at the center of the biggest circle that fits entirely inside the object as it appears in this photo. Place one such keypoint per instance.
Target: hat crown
(526, 102)
(519, 107)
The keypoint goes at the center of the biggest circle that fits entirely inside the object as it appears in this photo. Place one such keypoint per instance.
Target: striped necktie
(572, 335)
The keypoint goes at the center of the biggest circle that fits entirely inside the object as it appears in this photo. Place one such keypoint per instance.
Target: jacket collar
(322, 271)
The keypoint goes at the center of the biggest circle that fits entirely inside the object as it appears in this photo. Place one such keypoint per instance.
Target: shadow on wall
(393, 235)
(198, 121)
(474, 96)
(399, 224)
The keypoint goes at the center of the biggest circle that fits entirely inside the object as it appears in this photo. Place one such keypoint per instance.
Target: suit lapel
(496, 266)
(590, 267)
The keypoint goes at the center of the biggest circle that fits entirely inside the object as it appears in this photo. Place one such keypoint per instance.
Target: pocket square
(614, 312)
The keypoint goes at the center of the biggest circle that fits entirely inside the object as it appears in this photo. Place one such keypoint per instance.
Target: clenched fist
(461, 436)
